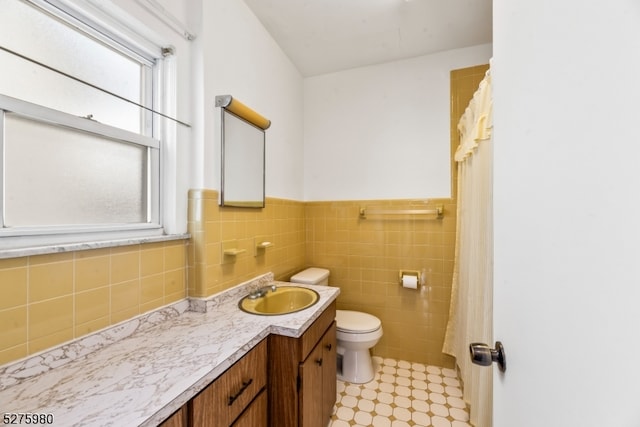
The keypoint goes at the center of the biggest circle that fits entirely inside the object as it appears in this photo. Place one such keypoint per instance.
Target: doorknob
(482, 355)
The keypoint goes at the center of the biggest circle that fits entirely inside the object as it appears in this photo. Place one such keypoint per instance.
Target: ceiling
(323, 36)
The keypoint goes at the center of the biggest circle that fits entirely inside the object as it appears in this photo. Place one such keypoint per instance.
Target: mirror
(243, 154)
(243, 162)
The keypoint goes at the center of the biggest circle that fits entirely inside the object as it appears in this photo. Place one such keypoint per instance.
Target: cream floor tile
(402, 394)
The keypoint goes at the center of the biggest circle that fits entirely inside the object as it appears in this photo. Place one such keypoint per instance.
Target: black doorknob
(483, 355)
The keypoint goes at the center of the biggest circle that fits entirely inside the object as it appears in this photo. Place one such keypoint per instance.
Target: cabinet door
(310, 397)
(329, 379)
(256, 414)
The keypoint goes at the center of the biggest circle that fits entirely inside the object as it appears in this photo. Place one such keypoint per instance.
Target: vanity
(301, 378)
(179, 367)
(302, 374)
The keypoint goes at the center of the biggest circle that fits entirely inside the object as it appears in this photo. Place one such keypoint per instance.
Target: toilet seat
(355, 322)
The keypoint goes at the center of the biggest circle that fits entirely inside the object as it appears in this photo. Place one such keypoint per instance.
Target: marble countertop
(161, 362)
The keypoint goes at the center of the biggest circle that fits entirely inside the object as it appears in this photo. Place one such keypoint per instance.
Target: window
(79, 154)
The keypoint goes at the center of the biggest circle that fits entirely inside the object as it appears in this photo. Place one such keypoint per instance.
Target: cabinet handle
(329, 347)
(319, 362)
(245, 384)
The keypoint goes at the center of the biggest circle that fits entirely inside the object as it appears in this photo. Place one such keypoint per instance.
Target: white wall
(382, 132)
(241, 59)
(383, 129)
(232, 54)
(567, 235)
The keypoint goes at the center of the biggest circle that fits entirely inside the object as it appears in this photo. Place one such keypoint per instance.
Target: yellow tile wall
(280, 222)
(46, 300)
(365, 257)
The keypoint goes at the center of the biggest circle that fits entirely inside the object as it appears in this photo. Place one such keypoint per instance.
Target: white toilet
(356, 333)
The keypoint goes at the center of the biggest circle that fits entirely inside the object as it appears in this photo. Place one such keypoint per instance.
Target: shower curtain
(471, 309)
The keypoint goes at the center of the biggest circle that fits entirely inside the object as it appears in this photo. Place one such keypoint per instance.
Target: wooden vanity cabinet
(236, 398)
(281, 382)
(302, 375)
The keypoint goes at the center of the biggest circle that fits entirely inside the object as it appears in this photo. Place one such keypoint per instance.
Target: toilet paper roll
(409, 282)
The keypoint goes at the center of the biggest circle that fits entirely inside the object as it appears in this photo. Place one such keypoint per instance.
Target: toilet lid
(310, 276)
(355, 321)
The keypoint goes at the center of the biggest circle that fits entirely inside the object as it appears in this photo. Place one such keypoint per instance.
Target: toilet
(356, 333)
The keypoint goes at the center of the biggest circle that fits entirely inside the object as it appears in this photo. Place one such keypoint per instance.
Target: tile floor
(402, 394)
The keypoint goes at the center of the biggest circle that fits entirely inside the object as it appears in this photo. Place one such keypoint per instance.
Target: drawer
(317, 329)
(224, 400)
(256, 413)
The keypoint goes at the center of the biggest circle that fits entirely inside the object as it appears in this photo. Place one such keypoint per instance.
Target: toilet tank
(312, 276)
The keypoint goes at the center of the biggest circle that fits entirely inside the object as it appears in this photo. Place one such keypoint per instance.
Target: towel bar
(438, 212)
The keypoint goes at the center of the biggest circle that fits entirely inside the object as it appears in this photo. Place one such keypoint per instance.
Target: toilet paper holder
(415, 273)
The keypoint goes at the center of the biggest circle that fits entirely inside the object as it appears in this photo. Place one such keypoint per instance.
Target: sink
(284, 300)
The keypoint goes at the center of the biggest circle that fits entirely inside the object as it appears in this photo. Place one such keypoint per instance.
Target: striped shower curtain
(471, 310)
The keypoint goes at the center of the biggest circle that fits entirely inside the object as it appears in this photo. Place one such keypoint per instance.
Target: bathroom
(310, 215)
(312, 225)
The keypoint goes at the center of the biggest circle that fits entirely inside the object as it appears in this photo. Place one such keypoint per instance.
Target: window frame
(157, 91)
(42, 114)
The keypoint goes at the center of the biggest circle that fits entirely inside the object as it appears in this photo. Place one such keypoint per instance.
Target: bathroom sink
(282, 300)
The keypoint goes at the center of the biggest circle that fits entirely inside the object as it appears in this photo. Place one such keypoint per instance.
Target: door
(310, 395)
(329, 368)
(566, 213)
